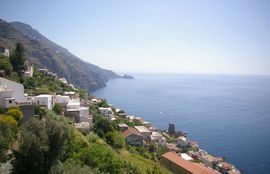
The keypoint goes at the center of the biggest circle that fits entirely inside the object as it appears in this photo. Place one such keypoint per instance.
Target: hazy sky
(203, 36)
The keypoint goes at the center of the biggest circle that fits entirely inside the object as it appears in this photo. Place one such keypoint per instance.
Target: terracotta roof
(131, 131)
(194, 168)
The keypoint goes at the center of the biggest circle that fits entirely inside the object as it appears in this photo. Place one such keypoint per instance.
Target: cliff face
(47, 54)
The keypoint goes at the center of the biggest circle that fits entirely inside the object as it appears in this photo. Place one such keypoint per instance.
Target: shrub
(92, 137)
(43, 142)
(15, 113)
(9, 120)
(102, 157)
(7, 135)
(57, 108)
(103, 126)
(115, 139)
(1, 111)
(71, 168)
(5, 64)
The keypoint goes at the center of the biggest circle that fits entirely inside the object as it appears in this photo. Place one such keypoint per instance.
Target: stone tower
(171, 129)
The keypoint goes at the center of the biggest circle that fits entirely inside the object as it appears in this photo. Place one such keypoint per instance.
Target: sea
(229, 115)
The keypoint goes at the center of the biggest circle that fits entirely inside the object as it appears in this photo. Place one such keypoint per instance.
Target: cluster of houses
(183, 155)
(137, 135)
(12, 95)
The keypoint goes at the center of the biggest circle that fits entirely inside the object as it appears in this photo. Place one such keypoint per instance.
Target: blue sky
(155, 36)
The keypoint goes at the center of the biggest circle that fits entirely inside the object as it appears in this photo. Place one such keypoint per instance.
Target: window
(10, 101)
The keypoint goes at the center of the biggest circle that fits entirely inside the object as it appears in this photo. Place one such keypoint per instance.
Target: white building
(83, 127)
(29, 71)
(130, 117)
(158, 138)
(117, 110)
(186, 157)
(62, 99)
(94, 100)
(71, 94)
(43, 100)
(78, 112)
(17, 88)
(108, 112)
(73, 105)
(4, 51)
(63, 80)
(183, 141)
(85, 116)
(6, 97)
(206, 158)
(144, 131)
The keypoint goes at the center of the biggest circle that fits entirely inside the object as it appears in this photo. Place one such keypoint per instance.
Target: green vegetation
(102, 157)
(128, 122)
(146, 166)
(17, 59)
(41, 83)
(6, 139)
(57, 108)
(5, 65)
(15, 113)
(43, 140)
(103, 103)
(13, 117)
(71, 167)
(103, 126)
(115, 139)
(12, 68)
(9, 120)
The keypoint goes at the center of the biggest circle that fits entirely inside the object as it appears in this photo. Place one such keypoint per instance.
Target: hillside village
(132, 138)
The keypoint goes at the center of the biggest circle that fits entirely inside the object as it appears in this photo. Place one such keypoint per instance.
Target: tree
(5, 64)
(115, 139)
(103, 103)
(41, 141)
(103, 126)
(1, 110)
(40, 112)
(17, 59)
(7, 135)
(29, 83)
(57, 108)
(71, 168)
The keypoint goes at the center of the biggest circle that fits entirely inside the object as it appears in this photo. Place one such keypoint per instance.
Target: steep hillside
(47, 54)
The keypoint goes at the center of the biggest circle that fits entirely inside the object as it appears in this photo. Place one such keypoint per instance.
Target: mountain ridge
(44, 53)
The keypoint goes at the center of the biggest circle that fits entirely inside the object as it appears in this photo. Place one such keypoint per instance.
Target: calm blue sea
(229, 115)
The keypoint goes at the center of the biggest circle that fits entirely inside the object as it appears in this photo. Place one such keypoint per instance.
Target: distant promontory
(126, 76)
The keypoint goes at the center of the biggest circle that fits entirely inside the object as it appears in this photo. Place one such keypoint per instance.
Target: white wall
(3, 95)
(62, 99)
(17, 88)
(43, 101)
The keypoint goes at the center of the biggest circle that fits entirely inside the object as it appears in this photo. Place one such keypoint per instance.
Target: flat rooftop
(142, 129)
